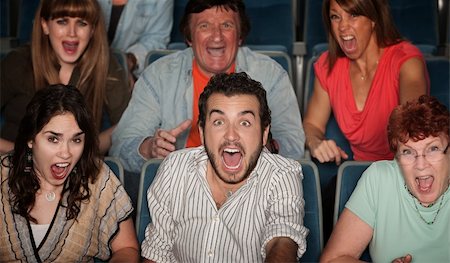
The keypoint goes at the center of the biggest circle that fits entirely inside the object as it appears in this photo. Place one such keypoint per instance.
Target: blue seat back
(272, 24)
(418, 21)
(156, 54)
(332, 131)
(178, 10)
(27, 10)
(143, 217)
(313, 211)
(5, 14)
(116, 166)
(314, 30)
(279, 56)
(439, 73)
(348, 175)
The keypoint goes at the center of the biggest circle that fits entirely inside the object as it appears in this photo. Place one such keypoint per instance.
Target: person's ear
(266, 134)
(30, 144)
(44, 26)
(200, 131)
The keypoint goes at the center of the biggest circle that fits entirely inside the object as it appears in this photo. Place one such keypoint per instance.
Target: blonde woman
(68, 46)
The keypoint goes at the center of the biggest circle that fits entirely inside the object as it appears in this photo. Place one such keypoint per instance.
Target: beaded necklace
(418, 212)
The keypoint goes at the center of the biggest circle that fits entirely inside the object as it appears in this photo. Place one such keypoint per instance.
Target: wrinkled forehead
(232, 104)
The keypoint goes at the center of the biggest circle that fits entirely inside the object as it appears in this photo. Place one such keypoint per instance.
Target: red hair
(416, 120)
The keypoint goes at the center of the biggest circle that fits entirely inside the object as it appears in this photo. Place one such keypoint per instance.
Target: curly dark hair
(230, 85)
(45, 104)
(198, 6)
(416, 120)
(376, 10)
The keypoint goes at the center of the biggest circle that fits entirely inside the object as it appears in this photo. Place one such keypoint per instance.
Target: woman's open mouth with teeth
(59, 170)
(70, 47)
(424, 183)
(232, 158)
(348, 44)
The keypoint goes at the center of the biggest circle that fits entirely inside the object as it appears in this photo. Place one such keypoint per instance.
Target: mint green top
(381, 200)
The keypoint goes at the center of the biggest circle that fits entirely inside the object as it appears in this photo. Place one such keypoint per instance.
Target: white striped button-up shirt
(187, 226)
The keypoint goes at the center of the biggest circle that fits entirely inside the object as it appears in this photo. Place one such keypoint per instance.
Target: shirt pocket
(143, 14)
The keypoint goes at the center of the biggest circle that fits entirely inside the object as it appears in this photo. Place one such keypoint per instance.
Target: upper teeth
(62, 164)
(231, 150)
(348, 37)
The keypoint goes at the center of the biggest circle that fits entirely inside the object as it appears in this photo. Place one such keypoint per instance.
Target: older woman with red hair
(401, 208)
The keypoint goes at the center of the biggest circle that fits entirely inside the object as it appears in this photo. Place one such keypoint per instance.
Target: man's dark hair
(230, 85)
(198, 6)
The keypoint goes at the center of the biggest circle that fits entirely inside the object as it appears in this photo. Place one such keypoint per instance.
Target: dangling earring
(29, 164)
(74, 171)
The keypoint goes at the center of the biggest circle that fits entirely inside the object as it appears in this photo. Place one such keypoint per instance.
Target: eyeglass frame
(417, 155)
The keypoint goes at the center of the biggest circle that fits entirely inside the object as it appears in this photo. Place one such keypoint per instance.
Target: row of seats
(348, 175)
(291, 26)
(278, 22)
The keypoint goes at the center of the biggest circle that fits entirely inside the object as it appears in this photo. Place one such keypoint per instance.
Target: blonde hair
(93, 64)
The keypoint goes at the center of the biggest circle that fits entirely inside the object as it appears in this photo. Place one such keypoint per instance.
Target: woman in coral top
(367, 71)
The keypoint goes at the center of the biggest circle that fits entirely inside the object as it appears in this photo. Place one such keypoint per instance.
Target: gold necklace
(363, 77)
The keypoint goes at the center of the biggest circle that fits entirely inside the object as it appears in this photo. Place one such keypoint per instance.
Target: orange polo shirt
(200, 82)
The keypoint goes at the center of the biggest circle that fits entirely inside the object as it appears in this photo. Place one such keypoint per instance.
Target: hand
(163, 142)
(327, 151)
(405, 259)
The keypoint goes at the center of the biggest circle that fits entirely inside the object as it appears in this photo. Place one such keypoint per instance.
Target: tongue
(231, 159)
(57, 169)
(216, 51)
(349, 45)
(58, 172)
(70, 47)
(425, 183)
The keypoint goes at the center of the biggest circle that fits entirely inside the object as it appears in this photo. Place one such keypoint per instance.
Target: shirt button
(216, 218)
(210, 253)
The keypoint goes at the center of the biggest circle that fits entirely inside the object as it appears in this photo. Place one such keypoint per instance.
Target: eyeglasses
(432, 154)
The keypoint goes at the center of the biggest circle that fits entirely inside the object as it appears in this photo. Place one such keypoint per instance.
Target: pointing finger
(181, 128)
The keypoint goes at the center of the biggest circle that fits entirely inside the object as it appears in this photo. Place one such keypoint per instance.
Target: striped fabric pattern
(67, 241)
(187, 227)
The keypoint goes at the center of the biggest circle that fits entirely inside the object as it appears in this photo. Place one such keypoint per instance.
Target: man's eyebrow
(247, 112)
(240, 113)
(216, 111)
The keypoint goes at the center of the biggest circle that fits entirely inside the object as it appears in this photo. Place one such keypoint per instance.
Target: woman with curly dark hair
(401, 208)
(56, 193)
